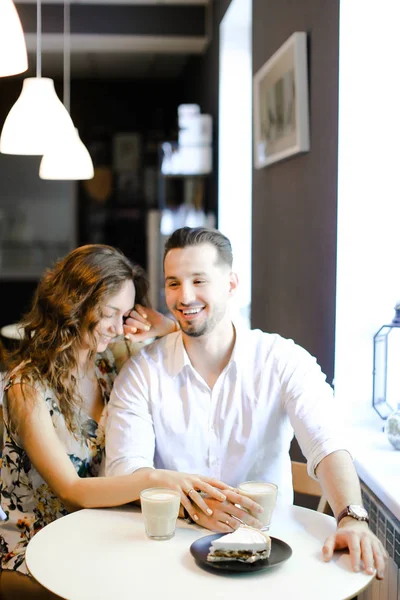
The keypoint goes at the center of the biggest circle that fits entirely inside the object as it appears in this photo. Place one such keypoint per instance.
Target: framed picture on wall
(280, 96)
(127, 148)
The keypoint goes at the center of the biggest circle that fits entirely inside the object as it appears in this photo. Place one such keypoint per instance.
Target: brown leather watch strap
(347, 512)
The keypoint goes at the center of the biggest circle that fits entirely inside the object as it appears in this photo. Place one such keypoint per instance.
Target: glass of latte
(160, 510)
(265, 495)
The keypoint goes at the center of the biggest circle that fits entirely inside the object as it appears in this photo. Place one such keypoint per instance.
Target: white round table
(104, 554)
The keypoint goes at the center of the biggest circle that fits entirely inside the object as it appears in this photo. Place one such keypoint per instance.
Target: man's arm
(341, 487)
(309, 403)
(130, 443)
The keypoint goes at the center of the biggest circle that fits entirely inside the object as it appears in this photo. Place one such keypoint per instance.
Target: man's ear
(233, 283)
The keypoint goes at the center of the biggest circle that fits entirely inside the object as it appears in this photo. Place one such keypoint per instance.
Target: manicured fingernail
(144, 315)
(195, 518)
(127, 338)
(147, 327)
(209, 511)
(222, 496)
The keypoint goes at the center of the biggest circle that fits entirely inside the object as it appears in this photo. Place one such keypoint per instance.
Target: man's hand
(226, 515)
(366, 551)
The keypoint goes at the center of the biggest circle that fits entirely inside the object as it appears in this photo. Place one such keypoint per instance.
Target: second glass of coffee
(264, 494)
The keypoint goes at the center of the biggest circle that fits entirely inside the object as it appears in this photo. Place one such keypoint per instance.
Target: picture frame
(127, 149)
(280, 103)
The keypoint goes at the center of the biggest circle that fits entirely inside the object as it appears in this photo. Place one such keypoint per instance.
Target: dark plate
(280, 551)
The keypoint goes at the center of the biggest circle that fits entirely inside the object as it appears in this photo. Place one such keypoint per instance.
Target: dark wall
(294, 201)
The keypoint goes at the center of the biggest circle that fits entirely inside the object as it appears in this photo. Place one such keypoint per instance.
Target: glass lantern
(386, 373)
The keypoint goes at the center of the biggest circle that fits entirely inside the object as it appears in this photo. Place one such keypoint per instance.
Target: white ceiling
(110, 56)
(188, 2)
(114, 56)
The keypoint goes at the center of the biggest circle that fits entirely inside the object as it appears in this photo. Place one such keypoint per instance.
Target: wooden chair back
(304, 484)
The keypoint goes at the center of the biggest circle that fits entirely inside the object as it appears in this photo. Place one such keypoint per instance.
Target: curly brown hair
(67, 303)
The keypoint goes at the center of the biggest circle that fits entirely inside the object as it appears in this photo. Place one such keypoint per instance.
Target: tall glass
(264, 494)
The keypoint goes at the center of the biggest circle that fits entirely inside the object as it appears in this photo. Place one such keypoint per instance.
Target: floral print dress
(27, 502)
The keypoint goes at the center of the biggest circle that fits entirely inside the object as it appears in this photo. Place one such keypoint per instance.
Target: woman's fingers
(217, 483)
(134, 319)
(196, 498)
(210, 490)
(186, 503)
(243, 516)
(244, 501)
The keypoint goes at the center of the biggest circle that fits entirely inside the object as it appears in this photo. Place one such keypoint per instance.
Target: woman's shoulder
(106, 363)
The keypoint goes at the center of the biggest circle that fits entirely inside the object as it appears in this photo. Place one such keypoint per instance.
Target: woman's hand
(227, 515)
(189, 486)
(143, 323)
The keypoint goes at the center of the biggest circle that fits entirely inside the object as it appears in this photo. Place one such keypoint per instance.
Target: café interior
(314, 232)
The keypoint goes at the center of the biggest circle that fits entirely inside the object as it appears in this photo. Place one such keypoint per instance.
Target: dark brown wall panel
(294, 201)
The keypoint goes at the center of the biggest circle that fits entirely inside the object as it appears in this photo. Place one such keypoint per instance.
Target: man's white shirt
(163, 414)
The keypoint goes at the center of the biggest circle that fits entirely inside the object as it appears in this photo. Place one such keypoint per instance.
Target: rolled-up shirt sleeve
(310, 405)
(130, 440)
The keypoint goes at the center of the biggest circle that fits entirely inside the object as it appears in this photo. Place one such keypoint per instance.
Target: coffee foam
(257, 488)
(160, 496)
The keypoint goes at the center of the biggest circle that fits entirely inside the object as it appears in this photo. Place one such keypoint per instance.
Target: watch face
(358, 511)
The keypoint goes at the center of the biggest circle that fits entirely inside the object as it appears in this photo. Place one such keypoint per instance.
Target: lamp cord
(38, 39)
(67, 57)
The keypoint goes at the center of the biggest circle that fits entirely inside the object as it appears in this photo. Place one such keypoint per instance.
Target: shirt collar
(180, 358)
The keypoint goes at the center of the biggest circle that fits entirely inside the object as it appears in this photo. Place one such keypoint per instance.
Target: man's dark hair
(194, 236)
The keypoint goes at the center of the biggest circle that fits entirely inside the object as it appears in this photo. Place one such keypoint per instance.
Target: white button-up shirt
(163, 414)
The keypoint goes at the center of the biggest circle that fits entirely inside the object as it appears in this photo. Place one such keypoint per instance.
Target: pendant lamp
(13, 58)
(38, 116)
(67, 157)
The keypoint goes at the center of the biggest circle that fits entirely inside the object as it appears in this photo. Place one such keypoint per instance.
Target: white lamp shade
(36, 120)
(13, 58)
(68, 158)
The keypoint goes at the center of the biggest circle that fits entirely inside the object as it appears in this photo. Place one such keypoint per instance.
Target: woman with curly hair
(55, 401)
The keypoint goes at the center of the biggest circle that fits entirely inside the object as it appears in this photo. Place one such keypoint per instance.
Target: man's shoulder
(258, 339)
(263, 345)
(155, 354)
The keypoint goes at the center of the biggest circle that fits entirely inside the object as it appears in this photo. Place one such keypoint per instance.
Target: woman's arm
(140, 326)
(38, 437)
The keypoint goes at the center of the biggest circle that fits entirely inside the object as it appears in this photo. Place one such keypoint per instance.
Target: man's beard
(193, 332)
(207, 327)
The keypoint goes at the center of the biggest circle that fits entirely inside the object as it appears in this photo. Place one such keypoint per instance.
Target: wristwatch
(355, 511)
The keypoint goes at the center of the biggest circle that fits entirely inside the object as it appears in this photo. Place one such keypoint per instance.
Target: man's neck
(210, 353)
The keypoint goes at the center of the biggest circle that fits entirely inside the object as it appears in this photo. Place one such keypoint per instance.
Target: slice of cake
(246, 544)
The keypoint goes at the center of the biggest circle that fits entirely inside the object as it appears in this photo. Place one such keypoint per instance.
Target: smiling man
(223, 401)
